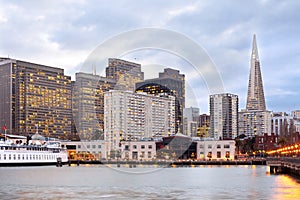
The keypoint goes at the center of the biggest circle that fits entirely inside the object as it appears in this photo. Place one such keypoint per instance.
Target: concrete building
(88, 104)
(133, 116)
(255, 120)
(86, 149)
(175, 82)
(126, 74)
(215, 149)
(34, 95)
(280, 123)
(138, 150)
(223, 116)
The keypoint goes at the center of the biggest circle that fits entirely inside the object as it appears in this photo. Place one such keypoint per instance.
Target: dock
(170, 162)
(284, 165)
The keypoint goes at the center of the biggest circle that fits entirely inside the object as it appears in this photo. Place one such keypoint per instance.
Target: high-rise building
(203, 125)
(133, 116)
(190, 121)
(223, 116)
(255, 120)
(35, 98)
(252, 123)
(88, 104)
(125, 73)
(175, 82)
(255, 97)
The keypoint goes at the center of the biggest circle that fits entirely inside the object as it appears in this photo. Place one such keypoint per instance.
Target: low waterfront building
(215, 149)
(138, 150)
(86, 150)
(175, 147)
(266, 142)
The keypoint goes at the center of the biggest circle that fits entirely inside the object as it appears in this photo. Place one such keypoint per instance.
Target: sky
(64, 33)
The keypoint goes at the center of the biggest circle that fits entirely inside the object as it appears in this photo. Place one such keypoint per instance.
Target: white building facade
(215, 150)
(133, 116)
(138, 150)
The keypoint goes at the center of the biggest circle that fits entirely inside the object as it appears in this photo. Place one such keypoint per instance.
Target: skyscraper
(190, 121)
(125, 73)
(255, 97)
(223, 116)
(133, 116)
(88, 104)
(255, 120)
(175, 82)
(35, 96)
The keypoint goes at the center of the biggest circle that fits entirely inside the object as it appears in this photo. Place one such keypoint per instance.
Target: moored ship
(18, 153)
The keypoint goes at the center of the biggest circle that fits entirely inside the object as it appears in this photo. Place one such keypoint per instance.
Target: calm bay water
(104, 182)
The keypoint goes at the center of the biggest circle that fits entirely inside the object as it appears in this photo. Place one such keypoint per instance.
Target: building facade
(296, 114)
(86, 149)
(190, 121)
(223, 116)
(175, 82)
(203, 125)
(133, 116)
(215, 149)
(281, 123)
(35, 96)
(138, 150)
(125, 73)
(252, 123)
(88, 104)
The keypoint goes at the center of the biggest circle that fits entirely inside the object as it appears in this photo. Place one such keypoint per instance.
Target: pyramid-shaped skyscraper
(255, 119)
(255, 97)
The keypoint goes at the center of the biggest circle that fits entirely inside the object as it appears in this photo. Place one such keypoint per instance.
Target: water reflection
(94, 182)
(287, 187)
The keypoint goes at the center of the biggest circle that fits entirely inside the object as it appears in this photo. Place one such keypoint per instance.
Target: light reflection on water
(95, 182)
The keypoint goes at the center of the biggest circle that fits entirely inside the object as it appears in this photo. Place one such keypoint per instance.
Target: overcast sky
(64, 33)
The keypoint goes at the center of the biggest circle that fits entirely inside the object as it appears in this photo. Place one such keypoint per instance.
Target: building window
(226, 146)
(149, 146)
(227, 154)
(218, 154)
(201, 146)
(134, 155)
(126, 147)
(79, 146)
(94, 146)
(209, 155)
(99, 146)
(143, 146)
(134, 147)
(209, 146)
(88, 146)
(218, 146)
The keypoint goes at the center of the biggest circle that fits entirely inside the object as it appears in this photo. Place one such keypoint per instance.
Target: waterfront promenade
(258, 161)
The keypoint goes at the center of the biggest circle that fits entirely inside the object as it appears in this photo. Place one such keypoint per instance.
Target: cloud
(63, 33)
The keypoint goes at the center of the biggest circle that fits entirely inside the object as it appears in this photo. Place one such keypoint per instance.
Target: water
(103, 182)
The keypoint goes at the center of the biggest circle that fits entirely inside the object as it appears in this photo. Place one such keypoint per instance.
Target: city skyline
(55, 36)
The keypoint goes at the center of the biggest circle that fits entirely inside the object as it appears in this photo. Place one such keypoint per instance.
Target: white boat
(50, 153)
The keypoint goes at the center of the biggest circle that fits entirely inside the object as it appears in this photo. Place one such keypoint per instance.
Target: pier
(284, 165)
(170, 162)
